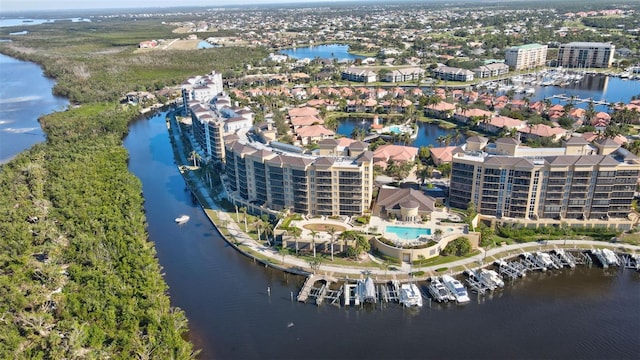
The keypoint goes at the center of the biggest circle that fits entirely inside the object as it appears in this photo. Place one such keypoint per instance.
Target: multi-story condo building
(359, 75)
(580, 184)
(452, 74)
(586, 55)
(526, 56)
(489, 70)
(212, 120)
(202, 88)
(335, 180)
(404, 74)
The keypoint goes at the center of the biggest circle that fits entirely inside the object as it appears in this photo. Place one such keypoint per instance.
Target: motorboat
(182, 219)
(545, 260)
(367, 290)
(490, 277)
(410, 295)
(610, 257)
(439, 292)
(457, 289)
(565, 258)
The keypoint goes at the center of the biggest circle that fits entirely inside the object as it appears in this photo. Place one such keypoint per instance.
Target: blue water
(407, 232)
(334, 51)
(598, 87)
(206, 45)
(395, 129)
(25, 95)
(427, 133)
(31, 22)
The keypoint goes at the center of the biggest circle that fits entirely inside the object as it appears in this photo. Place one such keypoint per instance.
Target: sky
(35, 5)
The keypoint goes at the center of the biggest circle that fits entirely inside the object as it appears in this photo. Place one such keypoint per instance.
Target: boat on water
(439, 292)
(410, 295)
(545, 260)
(610, 257)
(457, 289)
(490, 277)
(367, 291)
(182, 219)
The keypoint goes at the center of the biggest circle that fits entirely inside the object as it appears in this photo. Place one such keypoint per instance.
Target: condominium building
(336, 180)
(359, 75)
(452, 74)
(489, 70)
(526, 56)
(580, 184)
(212, 120)
(586, 55)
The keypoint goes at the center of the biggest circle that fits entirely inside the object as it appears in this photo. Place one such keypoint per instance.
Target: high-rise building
(279, 176)
(580, 184)
(526, 56)
(586, 55)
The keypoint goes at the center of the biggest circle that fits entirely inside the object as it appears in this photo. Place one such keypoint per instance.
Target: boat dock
(390, 291)
(601, 258)
(575, 99)
(631, 261)
(319, 293)
(476, 284)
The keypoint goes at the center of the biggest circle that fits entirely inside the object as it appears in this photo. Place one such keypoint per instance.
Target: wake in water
(28, 131)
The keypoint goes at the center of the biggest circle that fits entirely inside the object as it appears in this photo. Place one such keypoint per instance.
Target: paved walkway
(403, 270)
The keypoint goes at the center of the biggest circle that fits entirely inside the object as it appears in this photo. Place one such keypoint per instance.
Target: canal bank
(269, 257)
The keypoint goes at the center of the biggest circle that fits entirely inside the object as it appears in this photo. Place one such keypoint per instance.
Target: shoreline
(294, 265)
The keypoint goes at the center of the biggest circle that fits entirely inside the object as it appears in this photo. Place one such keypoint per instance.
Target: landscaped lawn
(324, 227)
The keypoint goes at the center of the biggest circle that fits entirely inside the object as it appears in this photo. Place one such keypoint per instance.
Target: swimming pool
(407, 233)
(395, 129)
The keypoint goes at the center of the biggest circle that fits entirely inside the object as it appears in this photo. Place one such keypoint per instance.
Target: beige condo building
(580, 184)
(586, 55)
(526, 56)
(336, 180)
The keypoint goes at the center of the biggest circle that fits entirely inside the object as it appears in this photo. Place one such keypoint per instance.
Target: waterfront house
(443, 155)
(313, 133)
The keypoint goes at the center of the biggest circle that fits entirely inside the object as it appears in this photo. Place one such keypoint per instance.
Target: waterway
(586, 313)
(25, 95)
(333, 51)
(582, 313)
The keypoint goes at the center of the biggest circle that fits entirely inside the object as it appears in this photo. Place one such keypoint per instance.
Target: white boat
(182, 219)
(491, 277)
(457, 289)
(545, 260)
(439, 292)
(367, 291)
(410, 295)
(611, 257)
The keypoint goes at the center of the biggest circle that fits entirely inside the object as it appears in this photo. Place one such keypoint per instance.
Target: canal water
(587, 313)
(25, 95)
(332, 51)
(582, 313)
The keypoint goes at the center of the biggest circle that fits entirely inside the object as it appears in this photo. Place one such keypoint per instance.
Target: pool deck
(379, 225)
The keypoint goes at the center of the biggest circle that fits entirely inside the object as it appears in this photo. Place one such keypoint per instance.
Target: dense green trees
(78, 276)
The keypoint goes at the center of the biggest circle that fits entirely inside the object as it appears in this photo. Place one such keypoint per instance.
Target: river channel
(586, 313)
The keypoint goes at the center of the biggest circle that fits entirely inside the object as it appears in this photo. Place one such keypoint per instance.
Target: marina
(442, 289)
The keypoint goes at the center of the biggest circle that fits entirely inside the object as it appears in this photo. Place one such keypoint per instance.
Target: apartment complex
(359, 75)
(490, 70)
(335, 180)
(586, 55)
(452, 74)
(526, 56)
(212, 120)
(580, 184)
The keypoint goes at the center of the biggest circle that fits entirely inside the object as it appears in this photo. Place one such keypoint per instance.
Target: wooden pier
(575, 99)
(309, 290)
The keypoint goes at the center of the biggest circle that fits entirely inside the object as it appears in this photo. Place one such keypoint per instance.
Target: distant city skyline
(35, 5)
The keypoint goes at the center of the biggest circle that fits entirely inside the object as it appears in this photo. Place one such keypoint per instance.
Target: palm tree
(313, 241)
(440, 139)
(244, 216)
(259, 225)
(296, 232)
(195, 157)
(437, 235)
(332, 232)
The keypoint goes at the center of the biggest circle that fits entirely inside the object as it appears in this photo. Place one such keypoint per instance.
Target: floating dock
(318, 293)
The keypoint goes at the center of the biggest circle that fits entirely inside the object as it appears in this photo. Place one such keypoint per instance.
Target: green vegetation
(459, 247)
(79, 277)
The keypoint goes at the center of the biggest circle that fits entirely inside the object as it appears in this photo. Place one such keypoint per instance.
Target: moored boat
(457, 289)
(439, 292)
(410, 295)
